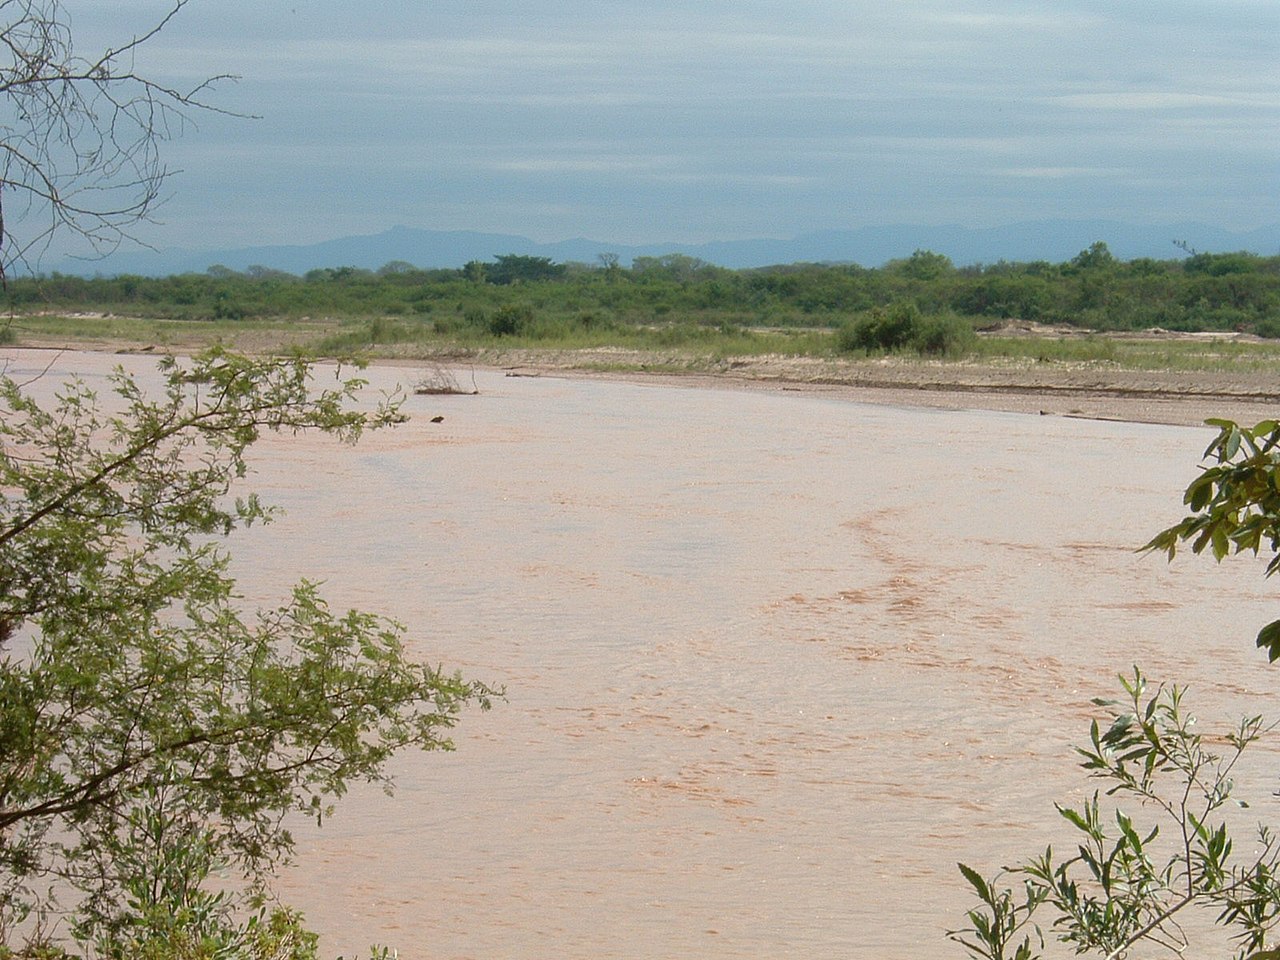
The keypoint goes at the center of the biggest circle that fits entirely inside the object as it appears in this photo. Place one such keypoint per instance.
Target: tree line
(1238, 291)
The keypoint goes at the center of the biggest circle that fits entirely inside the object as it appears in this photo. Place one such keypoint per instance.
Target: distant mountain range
(1052, 240)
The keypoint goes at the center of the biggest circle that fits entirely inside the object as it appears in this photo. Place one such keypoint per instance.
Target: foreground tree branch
(139, 704)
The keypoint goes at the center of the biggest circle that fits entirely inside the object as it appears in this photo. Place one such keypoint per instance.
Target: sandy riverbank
(1091, 391)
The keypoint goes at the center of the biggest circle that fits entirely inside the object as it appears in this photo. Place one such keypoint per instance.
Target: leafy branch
(1235, 504)
(1123, 886)
(137, 677)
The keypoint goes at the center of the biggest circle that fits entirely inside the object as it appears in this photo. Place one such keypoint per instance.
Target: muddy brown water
(774, 663)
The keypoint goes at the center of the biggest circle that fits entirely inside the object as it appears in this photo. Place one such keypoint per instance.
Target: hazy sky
(688, 121)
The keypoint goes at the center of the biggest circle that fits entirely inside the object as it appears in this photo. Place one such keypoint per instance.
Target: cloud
(1061, 173)
(560, 165)
(1145, 100)
(616, 118)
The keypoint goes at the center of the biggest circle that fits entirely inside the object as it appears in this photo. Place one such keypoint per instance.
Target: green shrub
(1120, 888)
(901, 326)
(1268, 327)
(591, 320)
(882, 329)
(386, 330)
(510, 319)
(943, 335)
(224, 308)
(447, 326)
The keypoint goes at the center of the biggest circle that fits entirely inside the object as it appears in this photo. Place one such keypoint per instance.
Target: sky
(707, 120)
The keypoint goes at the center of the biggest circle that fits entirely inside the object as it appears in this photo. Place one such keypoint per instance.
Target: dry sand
(1091, 392)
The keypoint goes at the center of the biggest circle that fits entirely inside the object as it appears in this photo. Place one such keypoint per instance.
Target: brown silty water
(774, 663)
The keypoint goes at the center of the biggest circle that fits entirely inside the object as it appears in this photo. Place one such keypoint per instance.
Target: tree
(923, 265)
(149, 727)
(393, 268)
(1097, 257)
(79, 142)
(679, 267)
(475, 271)
(516, 267)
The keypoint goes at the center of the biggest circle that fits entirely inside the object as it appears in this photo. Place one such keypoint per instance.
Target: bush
(943, 335)
(224, 308)
(882, 329)
(1268, 327)
(510, 319)
(591, 320)
(446, 326)
(901, 326)
(387, 330)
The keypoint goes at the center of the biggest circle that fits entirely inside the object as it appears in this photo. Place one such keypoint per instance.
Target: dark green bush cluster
(510, 320)
(523, 321)
(902, 326)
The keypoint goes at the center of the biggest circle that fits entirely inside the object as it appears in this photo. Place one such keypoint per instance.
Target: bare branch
(80, 136)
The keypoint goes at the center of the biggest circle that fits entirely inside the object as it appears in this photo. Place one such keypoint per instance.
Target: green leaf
(1269, 640)
(1126, 827)
(976, 881)
(1199, 493)
(1075, 818)
(1221, 543)
(1231, 446)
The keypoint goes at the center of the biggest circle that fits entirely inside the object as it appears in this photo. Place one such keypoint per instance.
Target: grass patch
(1205, 355)
(248, 335)
(1098, 349)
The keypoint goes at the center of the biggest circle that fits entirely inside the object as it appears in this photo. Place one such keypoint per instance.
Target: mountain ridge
(1051, 240)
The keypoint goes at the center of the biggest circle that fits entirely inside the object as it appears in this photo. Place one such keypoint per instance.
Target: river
(774, 663)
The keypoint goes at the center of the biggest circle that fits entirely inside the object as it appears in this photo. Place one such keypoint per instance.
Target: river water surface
(773, 663)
